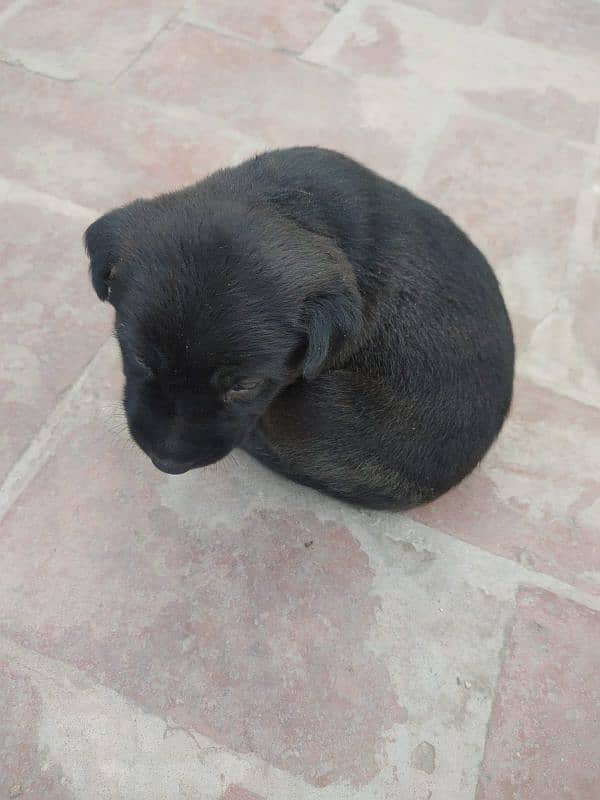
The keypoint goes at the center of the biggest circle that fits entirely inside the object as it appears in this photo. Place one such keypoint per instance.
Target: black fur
(346, 333)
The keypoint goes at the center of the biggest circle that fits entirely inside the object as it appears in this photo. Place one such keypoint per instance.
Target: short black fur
(300, 306)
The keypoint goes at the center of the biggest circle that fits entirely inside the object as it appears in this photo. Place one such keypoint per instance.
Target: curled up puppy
(305, 309)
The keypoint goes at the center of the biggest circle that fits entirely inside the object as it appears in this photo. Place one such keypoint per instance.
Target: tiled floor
(226, 635)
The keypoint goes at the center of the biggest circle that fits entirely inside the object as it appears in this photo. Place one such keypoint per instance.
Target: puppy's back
(412, 262)
(439, 334)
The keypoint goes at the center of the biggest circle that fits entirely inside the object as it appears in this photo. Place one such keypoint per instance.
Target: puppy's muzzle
(173, 467)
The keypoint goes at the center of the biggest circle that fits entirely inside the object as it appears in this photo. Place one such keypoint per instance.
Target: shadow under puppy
(299, 306)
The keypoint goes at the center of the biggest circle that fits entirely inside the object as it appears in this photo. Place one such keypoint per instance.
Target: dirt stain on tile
(423, 758)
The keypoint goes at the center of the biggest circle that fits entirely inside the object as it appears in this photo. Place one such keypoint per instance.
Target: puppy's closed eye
(243, 390)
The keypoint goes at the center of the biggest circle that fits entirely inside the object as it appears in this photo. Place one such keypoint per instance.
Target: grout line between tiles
(17, 191)
(517, 574)
(12, 9)
(141, 52)
(45, 441)
(16, 63)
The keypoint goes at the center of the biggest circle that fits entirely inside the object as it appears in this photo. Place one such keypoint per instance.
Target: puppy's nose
(172, 467)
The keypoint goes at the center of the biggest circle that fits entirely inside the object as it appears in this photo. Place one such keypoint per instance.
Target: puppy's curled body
(370, 348)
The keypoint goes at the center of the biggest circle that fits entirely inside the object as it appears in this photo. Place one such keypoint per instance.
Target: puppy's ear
(101, 243)
(330, 319)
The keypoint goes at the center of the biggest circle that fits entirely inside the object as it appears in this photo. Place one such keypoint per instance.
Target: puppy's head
(218, 309)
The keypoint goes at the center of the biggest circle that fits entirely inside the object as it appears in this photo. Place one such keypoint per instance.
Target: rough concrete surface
(227, 635)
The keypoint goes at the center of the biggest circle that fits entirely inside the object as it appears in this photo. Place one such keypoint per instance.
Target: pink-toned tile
(253, 632)
(543, 737)
(96, 39)
(535, 498)
(465, 11)
(26, 771)
(493, 178)
(572, 26)
(373, 46)
(563, 349)
(585, 317)
(495, 182)
(101, 149)
(306, 104)
(535, 87)
(272, 23)
(552, 110)
(596, 224)
(235, 792)
(50, 320)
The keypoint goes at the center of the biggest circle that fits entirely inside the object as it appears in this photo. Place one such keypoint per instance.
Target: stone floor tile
(64, 736)
(524, 218)
(239, 793)
(50, 320)
(271, 23)
(364, 39)
(94, 39)
(321, 106)
(26, 771)
(493, 180)
(48, 142)
(596, 225)
(563, 350)
(549, 110)
(569, 25)
(465, 11)
(535, 87)
(535, 497)
(543, 735)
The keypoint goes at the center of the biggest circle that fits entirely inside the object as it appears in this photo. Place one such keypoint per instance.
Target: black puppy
(301, 307)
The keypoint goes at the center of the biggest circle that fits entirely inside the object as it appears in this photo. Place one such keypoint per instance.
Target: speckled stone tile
(93, 39)
(543, 735)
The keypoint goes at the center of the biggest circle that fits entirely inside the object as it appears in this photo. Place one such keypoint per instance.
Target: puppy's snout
(171, 466)
(184, 458)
